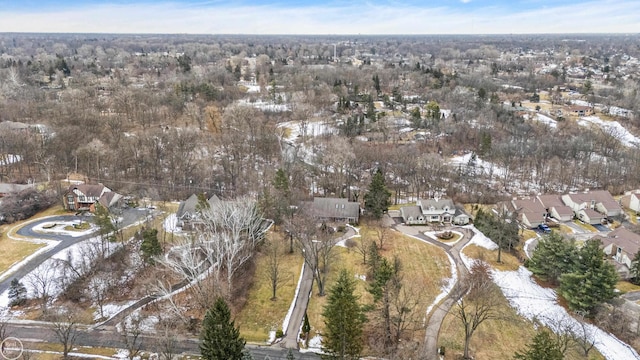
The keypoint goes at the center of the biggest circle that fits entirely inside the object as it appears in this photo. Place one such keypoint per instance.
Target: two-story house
(593, 206)
(83, 197)
(433, 211)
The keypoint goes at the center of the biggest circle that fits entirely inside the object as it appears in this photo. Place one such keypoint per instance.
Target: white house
(588, 204)
(433, 211)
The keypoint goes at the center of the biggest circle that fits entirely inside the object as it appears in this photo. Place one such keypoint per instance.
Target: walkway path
(290, 341)
(442, 309)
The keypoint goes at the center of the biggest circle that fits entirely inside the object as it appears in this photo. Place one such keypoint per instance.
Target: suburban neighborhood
(300, 197)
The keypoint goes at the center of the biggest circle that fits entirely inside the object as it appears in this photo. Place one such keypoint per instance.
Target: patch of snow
(546, 120)
(535, 302)
(110, 310)
(287, 318)
(527, 245)
(54, 272)
(612, 127)
(315, 345)
(447, 285)
(59, 228)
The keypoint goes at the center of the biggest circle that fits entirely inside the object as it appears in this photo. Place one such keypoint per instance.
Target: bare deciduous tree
(478, 301)
(274, 272)
(130, 330)
(64, 324)
(42, 282)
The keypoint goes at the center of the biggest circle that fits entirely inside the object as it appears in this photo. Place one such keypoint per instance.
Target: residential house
(622, 245)
(530, 211)
(577, 110)
(83, 197)
(433, 211)
(555, 208)
(333, 209)
(188, 210)
(631, 201)
(592, 206)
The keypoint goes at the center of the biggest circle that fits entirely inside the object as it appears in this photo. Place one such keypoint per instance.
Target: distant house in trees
(333, 209)
(555, 208)
(83, 197)
(622, 245)
(188, 213)
(631, 201)
(592, 206)
(577, 110)
(433, 211)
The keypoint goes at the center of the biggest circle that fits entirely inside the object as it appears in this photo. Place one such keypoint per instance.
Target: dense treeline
(164, 116)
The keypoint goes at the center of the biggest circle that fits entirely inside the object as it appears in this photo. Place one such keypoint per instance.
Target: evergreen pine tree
(306, 328)
(543, 347)
(376, 201)
(344, 318)
(150, 246)
(592, 281)
(17, 293)
(553, 257)
(220, 338)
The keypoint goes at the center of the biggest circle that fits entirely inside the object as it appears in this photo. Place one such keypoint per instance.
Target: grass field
(14, 251)
(625, 286)
(262, 314)
(424, 266)
(494, 339)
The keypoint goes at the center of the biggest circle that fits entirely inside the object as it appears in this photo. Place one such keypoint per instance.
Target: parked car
(544, 228)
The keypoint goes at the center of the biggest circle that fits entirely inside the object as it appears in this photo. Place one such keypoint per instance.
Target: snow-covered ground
(111, 309)
(482, 167)
(533, 301)
(313, 128)
(612, 127)
(433, 235)
(58, 228)
(51, 272)
(266, 106)
(544, 119)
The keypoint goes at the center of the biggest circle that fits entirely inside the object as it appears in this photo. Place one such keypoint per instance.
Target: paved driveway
(129, 217)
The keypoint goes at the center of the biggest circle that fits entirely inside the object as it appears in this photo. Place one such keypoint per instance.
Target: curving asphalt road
(130, 216)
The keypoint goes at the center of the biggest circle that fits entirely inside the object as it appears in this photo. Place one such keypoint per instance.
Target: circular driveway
(127, 218)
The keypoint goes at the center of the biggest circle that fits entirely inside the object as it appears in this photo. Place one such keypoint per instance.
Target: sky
(317, 17)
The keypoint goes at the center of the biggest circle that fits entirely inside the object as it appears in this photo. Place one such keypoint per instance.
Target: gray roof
(335, 208)
(411, 211)
(437, 204)
(188, 207)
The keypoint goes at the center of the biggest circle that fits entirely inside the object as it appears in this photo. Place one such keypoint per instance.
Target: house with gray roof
(433, 211)
(555, 208)
(622, 245)
(188, 211)
(593, 206)
(333, 209)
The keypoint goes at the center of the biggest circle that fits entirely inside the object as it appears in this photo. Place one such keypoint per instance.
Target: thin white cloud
(608, 16)
(465, 1)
